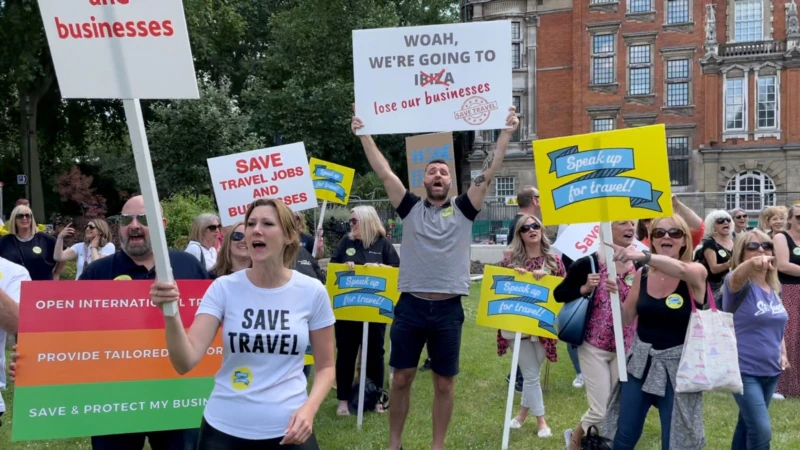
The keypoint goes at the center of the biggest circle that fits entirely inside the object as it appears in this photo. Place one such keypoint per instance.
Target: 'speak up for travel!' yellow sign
(604, 177)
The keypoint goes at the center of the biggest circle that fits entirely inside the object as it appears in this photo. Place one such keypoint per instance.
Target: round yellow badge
(37, 250)
(722, 253)
(796, 251)
(350, 251)
(1, 275)
(241, 378)
(629, 279)
(447, 211)
(674, 301)
(123, 278)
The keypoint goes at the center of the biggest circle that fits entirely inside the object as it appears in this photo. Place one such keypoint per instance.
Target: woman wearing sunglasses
(750, 293)
(203, 239)
(787, 257)
(95, 245)
(530, 253)
(367, 245)
(739, 221)
(716, 250)
(233, 255)
(28, 247)
(598, 353)
(659, 303)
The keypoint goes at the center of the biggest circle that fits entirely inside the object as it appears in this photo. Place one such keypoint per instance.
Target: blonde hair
(21, 209)
(369, 224)
(685, 253)
(519, 256)
(790, 212)
(199, 226)
(105, 232)
(738, 255)
(224, 264)
(767, 214)
(286, 222)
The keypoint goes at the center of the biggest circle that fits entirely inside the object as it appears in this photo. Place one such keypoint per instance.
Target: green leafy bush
(180, 210)
(69, 271)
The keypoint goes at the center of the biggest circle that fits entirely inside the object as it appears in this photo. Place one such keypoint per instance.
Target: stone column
(531, 23)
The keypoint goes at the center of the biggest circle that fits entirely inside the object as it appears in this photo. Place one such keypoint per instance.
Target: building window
(602, 124)
(767, 101)
(639, 6)
(750, 190)
(678, 77)
(515, 30)
(678, 155)
(600, 2)
(748, 20)
(515, 56)
(516, 45)
(735, 106)
(517, 103)
(603, 59)
(639, 69)
(677, 11)
(504, 187)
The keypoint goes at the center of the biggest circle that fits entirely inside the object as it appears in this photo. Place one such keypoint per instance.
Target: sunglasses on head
(722, 220)
(127, 219)
(529, 227)
(353, 221)
(740, 216)
(23, 216)
(213, 227)
(754, 246)
(90, 226)
(674, 233)
(237, 236)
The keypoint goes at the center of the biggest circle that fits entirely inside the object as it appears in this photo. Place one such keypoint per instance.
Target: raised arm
(692, 219)
(744, 271)
(60, 254)
(480, 185)
(394, 187)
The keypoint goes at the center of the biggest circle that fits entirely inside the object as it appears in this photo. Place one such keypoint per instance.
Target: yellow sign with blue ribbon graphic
(308, 359)
(604, 177)
(364, 294)
(332, 182)
(518, 302)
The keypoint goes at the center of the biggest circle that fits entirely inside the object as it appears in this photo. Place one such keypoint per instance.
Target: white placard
(579, 240)
(433, 78)
(120, 48)
(277, 172)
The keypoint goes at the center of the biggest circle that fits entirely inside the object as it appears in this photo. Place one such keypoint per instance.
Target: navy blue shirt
(120, 266)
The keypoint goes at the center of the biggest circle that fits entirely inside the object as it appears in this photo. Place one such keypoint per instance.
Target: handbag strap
(594, 271)
(709, 296)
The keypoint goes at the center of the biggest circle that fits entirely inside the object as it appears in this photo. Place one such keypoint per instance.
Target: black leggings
(213, 439)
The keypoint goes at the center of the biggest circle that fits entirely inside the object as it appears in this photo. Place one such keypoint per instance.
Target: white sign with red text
(277, 172)
(433, 78)
(579, 240)
(123, 49)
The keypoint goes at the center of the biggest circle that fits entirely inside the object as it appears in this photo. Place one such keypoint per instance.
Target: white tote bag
(710, 359)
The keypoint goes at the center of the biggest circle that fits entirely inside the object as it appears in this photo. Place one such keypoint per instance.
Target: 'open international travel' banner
(603, 177)
(93, 361)
(514, 302)
(364, 294)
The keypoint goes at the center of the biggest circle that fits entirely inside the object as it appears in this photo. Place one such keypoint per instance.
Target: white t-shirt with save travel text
(264, 336)
(11, 278)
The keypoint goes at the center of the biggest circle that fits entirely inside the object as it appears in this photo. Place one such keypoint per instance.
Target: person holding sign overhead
(530, 253)
(659, 302)
(268, 314)
(366, 245)
(434, 275)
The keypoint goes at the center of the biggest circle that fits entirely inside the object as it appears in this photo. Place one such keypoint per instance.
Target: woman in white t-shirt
(203, 239)
(268, 314)
(95, 245)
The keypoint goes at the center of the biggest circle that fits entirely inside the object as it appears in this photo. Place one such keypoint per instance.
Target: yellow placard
(364, 294)
(332, 182)
(520, 303)
(309, 357)
(604, 177)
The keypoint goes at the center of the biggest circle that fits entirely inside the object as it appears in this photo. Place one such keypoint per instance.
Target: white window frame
(516, 46)
(735, 132)
(666, 13)
(773, 131)
(761, 198)
(649, 8)
(763, 22)
(677, 81)
(648, 66)
(613, 55)
(501, 188)
(596, 119)
(687, 158)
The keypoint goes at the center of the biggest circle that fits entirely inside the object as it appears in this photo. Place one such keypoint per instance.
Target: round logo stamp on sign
(796, 251)
(241, 378)
(37, 250)
(123, 278)
(674, 301)
(629, 279)
(447, 211)
(350, 251)
(476, 110)
(722, 253)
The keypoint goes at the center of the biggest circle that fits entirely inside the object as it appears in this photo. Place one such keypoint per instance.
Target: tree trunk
(30, 149)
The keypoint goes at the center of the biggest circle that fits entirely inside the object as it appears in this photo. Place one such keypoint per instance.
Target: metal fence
(496, 216)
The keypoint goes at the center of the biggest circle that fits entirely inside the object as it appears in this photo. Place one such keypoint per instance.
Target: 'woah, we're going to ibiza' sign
(433, 78)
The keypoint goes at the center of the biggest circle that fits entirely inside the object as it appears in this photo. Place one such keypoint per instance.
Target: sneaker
(777, 396)
(568, 438)
(577, 383)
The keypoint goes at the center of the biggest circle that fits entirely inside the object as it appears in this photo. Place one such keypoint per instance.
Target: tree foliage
(75, 187)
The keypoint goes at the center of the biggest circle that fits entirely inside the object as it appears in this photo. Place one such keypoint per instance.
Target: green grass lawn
(477, 422)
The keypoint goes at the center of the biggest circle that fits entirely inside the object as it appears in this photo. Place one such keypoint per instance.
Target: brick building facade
(723, 77)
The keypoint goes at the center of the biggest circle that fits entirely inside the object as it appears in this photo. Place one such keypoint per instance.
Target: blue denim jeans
(573, 356)
(753, 430)
(634, 405)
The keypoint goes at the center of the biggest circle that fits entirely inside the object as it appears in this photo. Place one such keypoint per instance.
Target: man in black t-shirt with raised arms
(434, 275)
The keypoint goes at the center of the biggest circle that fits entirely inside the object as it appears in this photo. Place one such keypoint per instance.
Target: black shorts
(436, 322)
(213, 439)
